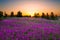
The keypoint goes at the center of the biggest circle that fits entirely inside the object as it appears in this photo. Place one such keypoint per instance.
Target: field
(29, 29)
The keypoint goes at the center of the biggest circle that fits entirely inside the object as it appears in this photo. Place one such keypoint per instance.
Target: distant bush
(27, 16)
(36, 15)
(56, 17)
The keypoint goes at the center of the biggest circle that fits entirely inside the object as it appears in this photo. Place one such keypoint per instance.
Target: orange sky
(30, 7)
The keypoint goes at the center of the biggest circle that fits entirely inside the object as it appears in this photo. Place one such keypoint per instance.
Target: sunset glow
(29, 7)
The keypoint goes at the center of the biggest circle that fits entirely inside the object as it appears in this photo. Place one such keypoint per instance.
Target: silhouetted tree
(19, 14)
(43, 15)
(5, 14)
(47, 16)
(34, 14)
(1, 14)
(12, 14)
(52, 16)
(56, 17)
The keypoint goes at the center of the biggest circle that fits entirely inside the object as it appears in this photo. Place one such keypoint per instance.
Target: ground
(29, 29)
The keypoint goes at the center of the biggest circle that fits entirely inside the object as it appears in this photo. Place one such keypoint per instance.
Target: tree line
(47, 16)
(19, 14)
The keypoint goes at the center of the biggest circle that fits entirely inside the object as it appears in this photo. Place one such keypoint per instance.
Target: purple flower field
(29, 29)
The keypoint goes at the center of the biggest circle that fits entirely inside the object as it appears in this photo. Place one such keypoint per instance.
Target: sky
(29, 7)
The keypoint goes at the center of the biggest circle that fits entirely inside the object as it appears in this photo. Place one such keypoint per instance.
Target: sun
(32, 11)
(30, 8)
